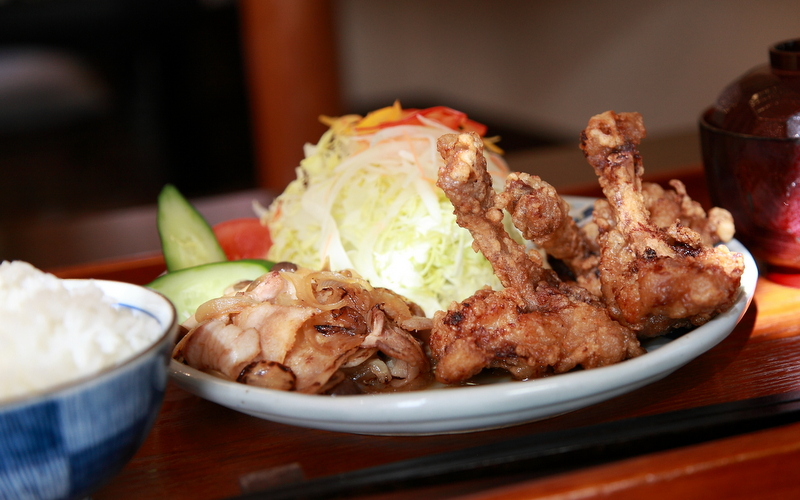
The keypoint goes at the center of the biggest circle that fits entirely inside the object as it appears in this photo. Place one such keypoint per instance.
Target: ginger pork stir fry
(646, 266)
(317, 332)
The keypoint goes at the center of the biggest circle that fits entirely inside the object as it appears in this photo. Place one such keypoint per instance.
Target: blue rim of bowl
(169, 332)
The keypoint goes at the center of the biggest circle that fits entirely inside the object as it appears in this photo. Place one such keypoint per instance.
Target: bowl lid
(765, 101)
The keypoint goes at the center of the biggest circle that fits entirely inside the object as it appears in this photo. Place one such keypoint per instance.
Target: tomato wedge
(244, 238)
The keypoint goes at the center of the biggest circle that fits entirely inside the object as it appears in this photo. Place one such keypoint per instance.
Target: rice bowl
(52, 333)
(65, 439)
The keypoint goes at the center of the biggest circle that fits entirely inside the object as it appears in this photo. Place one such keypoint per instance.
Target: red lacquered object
(751, 154)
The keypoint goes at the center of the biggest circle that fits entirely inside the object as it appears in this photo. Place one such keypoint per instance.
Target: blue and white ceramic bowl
(68, 441)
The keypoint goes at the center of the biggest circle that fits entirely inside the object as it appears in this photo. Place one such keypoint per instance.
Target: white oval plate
(473, 408)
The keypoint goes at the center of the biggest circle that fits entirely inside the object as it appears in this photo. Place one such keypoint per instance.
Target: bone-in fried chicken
(542, 216)
(536, 325)
(669, 205)
(653, 278)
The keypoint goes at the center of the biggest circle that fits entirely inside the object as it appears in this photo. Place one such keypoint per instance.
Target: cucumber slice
(190, 287)
(186, 238)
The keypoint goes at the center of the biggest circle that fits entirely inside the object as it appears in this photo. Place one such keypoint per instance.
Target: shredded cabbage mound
(365, 198)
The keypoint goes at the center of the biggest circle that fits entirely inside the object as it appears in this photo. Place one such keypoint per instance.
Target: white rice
(50, 335)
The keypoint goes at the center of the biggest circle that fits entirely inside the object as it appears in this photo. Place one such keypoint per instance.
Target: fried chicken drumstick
(536, 325)
(655, 276)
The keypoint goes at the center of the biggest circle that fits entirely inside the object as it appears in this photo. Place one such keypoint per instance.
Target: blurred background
(102, 102)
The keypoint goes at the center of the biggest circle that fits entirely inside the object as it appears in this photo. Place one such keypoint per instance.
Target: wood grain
(759, 465)
(138, 270)
(291, 68)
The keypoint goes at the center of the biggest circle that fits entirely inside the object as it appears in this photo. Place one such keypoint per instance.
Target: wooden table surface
(201, 450)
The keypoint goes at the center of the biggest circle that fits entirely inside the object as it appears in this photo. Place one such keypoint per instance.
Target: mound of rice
(50, 335)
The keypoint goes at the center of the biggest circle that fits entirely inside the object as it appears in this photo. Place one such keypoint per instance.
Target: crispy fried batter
(536, 325)
(542, 216)
(469, 187)
(668, 206)
(653, 278)
(492, 329)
